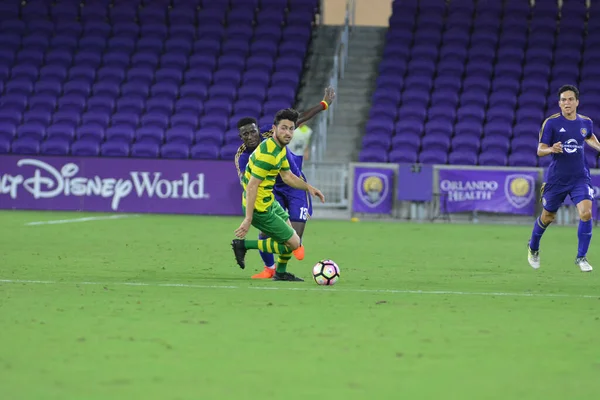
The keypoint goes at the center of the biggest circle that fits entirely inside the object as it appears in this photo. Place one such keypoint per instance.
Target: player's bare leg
(533, 247)
(584, 234)
(299, 228)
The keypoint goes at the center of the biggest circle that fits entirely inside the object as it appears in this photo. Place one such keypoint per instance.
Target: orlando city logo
(519, 190)
(584, 132)
(373, 188)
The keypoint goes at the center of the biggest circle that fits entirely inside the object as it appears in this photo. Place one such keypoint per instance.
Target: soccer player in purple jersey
(296, 202)
(563, 136)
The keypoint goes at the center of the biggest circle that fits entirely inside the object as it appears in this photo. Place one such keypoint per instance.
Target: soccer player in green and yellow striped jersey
(258, 202)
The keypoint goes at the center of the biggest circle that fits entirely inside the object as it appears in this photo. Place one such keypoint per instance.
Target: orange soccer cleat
(266, 273)
(299, 253)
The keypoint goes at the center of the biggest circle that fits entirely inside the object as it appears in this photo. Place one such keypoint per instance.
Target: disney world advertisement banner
(119, 185)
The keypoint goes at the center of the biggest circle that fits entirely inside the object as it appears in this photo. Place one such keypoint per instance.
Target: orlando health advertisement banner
(373, 190)
(119, 185)
(508, 192)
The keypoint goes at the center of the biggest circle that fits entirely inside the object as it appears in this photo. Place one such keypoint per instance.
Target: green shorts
(273, 223)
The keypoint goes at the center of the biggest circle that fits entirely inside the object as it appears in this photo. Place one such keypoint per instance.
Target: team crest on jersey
(519, 189)
(584, 132)
(373, 188)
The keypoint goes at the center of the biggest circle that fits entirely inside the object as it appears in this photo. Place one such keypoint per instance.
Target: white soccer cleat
(583, 264)
(533, 257)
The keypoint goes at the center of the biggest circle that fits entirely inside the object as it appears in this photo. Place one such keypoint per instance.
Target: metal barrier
(340, 60)
(332, 180)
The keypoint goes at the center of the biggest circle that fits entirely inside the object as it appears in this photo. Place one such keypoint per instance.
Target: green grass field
(154, 307)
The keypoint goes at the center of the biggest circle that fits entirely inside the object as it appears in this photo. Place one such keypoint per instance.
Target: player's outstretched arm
(292, 180)
(311, 112)
(593, 142)
(544, 149)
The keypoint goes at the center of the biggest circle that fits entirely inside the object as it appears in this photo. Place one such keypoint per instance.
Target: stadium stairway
(318, 67)
(354, 93)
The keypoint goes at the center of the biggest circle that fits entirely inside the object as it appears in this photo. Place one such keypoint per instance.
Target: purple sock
(268, 258)
(584, 233)
(536, 235)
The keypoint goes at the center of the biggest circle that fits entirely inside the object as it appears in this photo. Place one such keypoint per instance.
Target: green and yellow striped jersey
(265, 163)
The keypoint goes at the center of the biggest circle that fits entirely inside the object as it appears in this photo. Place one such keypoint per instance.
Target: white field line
(310, 289)
(85, 219)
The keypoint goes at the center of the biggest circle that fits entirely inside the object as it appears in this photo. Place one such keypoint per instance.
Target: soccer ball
(326, 272)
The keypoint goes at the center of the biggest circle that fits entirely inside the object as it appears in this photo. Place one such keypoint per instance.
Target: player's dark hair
(287, 113)
(246, 121)
(566, 88)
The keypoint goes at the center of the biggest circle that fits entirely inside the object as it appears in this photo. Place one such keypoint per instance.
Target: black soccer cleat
(286, 276)
(239, 250)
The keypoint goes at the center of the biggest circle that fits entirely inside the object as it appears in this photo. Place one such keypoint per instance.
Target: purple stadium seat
(188, 105)
(495, 143)
(32, 130)
(409, 125)
(4, 145)
(90, 133)
(229, 151)
(95, 118)
(150, 134)
(25, 145)
(492, 158)
(175, 150)
(433, 157)
(85, 148)
(439, 126)
(61, 130)
(498, 128)
(156, 120)
(436, 141)
(120, 133)
(406, 141)
(41, 116)
(205, 151)
(378, 142)
(184, 119)
(125, 118)
(126, 29)
(462, 158)
(465, 143)
(402, 156)
(372, 155)
(180, 134)
(114, 149)
(55, 147)
(8, 123)
(145, 149)
(212, 136)
(522, 160)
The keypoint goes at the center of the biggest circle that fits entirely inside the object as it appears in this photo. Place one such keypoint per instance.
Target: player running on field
(296, 202)
(261, 210)
(563, 136)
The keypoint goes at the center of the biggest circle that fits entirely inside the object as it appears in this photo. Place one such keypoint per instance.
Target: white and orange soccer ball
(326, 273)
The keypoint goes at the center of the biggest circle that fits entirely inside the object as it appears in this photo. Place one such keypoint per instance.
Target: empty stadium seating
(158, 78)
(470, 82)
